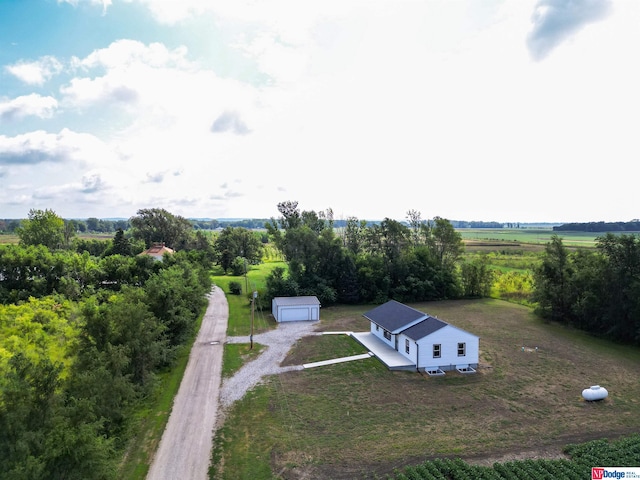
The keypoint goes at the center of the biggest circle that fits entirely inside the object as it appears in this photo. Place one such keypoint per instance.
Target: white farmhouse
(428, 343)
(292, 309)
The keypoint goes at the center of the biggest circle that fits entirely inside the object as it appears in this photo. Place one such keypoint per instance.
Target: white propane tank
(596, 392)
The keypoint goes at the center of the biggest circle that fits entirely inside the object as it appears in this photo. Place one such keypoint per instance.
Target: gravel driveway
(278, 342)
(185, 449)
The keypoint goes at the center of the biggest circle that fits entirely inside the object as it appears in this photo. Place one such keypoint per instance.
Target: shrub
(235, 288)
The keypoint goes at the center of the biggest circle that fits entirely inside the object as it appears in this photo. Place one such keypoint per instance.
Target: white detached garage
(294, 309)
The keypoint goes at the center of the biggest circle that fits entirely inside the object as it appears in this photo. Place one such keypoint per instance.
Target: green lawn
(360, 420)
(240, 305)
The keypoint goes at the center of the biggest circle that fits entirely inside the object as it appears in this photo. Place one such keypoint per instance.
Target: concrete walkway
(322, 363)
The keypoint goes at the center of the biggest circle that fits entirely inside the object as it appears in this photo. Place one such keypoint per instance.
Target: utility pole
(253, 307)
(246, 282)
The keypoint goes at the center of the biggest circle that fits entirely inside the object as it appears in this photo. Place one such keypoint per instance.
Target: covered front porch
(387, 355)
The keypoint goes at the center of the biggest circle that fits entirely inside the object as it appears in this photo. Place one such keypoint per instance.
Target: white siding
(413, 348)
(379, 332)
(291, 309)
(448, 338)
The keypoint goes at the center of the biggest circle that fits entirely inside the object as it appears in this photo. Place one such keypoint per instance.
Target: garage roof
(293, 301)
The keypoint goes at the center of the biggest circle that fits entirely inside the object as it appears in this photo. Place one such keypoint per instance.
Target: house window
(436, 350)
(387, 334)
(462, 349)
(377, 328)
(406, 345)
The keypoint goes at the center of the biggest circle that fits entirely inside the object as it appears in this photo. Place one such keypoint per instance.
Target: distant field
(11, 238)
(8, 238)
(495, 237)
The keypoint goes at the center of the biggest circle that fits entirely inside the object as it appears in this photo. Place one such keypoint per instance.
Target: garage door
(293, 314)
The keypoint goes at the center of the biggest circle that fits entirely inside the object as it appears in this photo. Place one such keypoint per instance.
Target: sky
(492, 110)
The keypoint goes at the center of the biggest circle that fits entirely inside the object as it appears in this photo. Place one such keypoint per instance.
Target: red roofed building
(157, 251)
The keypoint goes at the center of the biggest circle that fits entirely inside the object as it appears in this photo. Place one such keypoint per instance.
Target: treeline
(632, 226)
(479, 224)
(82, 340)
(596, 291)
(362, 262)
(99, 225)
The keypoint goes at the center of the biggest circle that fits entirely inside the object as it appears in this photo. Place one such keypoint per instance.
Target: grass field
(360, 420)
(525, 238)
(239, 306)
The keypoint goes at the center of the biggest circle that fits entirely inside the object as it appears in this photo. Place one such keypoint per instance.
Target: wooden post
(253, 304)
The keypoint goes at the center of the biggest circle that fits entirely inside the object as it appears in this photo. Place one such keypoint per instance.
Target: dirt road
(185, 449)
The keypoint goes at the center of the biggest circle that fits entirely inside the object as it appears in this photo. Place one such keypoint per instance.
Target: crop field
(360, 420)
(502, 237)
(621, 453)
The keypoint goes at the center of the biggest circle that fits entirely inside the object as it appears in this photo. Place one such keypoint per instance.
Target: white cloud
(111, 89)
(124, 53)
(35, 73)
(27, 105)
(39, 146)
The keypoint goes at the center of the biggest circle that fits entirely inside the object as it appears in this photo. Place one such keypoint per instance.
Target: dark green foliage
(42, 436)
(120, 245)
(604, 227)
(595, 291)
(158, 225)
(129, 317)
(35, 271)
(27, 271)
(476, 278)
(93, 247)
(279, 286)
(367, 263)
(235, 288)
(235, 243)
(624, 452)
(176, 295)
(239, 266)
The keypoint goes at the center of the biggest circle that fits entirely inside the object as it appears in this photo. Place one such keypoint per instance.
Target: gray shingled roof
(293, 301)
(394, 316)
(424, 328)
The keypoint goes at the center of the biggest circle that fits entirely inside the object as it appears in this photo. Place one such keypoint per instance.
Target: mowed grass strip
(358, 419)
(240, 305)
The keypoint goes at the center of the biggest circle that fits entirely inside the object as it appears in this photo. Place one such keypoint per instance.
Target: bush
(235, 288)
(239, 266)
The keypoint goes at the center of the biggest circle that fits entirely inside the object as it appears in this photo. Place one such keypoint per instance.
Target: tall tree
(444, 241)
(415, 220)
(353, 235)
(476, 278)
(552, 279)
(42, 227)
(291, 217)
(158, 225)
(622, 274)
(233, 242)
(121, 245)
